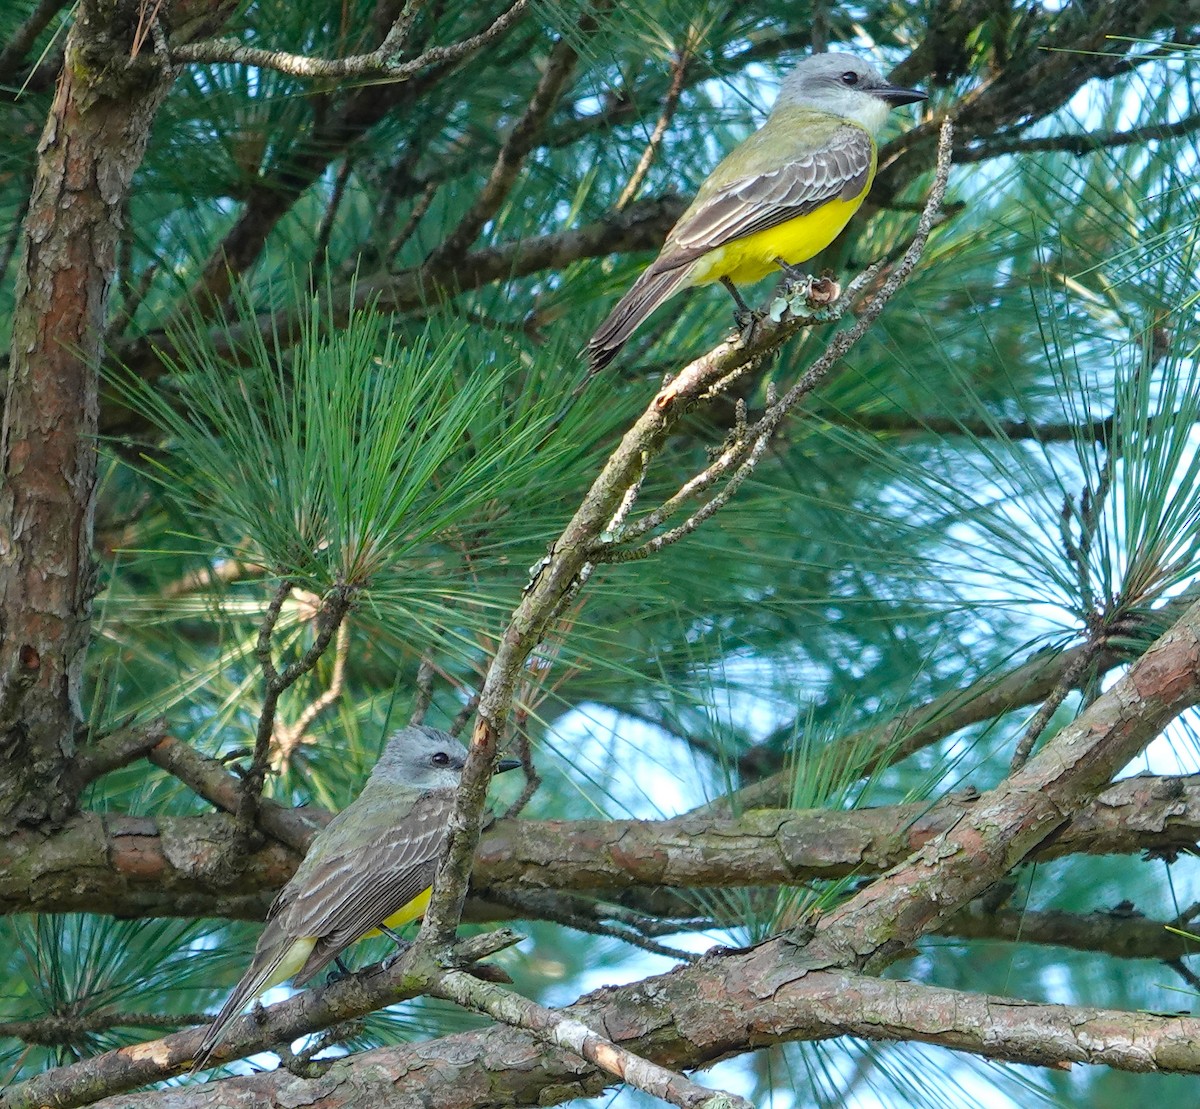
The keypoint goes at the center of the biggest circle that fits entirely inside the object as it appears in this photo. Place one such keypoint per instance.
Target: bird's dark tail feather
(252, 983)
(648, 292)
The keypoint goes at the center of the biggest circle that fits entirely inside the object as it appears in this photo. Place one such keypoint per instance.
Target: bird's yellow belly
(747, 260)
(415, 908)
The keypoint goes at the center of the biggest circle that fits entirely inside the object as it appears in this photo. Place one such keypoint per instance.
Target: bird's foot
(402, 946)
(339, 972)
(748, 321)
(395, 957)
(793, 275)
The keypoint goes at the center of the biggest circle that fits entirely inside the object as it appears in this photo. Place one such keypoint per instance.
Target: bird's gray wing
(838, 170)
(359, 885)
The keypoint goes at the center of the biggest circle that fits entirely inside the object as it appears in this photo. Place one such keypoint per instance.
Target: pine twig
(289, 736)
(329, 618)
(423, 694)
(464, 714)
(670, 103)
(1068, 681)
(329, 217)
(1078, 552)
(420, 207)
(55, 1028)
(748, 450)
(513, 152)
(532, 778)
(380, 62)
(1080, 145)
(551, 908)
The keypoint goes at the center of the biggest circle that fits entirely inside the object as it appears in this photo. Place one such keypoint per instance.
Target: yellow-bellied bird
(369, 869)
(777, 199)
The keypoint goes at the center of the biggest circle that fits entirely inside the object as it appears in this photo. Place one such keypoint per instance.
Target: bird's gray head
(421, 757)
(846, 86)
(425, 758)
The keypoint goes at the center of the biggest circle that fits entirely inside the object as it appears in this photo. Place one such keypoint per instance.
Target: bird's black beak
(895, 95)
(507, 764)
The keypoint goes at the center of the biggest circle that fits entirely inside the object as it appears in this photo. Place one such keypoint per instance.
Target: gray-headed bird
(777, 199)
(369, 869)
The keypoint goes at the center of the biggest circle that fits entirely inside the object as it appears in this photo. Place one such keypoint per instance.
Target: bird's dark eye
(440, 759)
(849, 78)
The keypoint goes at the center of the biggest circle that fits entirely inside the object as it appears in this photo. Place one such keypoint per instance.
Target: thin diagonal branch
(1080, 145)
(584, 916)
(1120, 933)
(571, 557)
(329, 618)
(513, 152)
(289, 736)
(380, 62)
(1071, 676)
(25, 35)
(670, 103)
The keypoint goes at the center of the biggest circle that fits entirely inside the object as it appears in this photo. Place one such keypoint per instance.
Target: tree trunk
(94, 139)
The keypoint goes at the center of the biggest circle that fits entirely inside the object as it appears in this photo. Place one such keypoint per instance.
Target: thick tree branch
(1010, 822)
(116, 750)
(209, 779)
(689, 1018)
(561, 1031)
(767, 847)
(140, 866)
(178, 866)
(63, 1028)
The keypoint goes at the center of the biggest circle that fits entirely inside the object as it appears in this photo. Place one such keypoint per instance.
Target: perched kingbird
(780, 197)
(370, 867)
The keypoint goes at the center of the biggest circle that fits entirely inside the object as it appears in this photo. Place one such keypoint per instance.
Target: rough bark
(1013, 820)
(692, 1018)
(138, 866)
